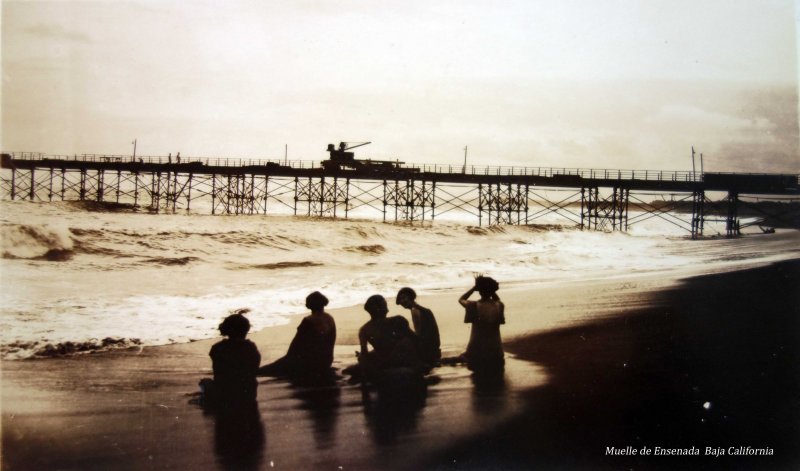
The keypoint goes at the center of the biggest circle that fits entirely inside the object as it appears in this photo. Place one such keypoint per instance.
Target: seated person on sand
(310, 354)
(395, 347)
(485, 349)
(234, 361)
(424, 326)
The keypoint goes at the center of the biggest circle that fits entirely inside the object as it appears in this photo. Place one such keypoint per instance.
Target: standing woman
(485, 348)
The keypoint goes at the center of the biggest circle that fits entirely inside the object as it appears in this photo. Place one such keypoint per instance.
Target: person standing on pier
(485, 349)
(424, 325)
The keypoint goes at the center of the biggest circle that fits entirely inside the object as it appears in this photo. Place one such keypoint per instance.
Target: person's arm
(255, 358)
(362, 339)
(463, 299)
(416, 318)
(300, 340)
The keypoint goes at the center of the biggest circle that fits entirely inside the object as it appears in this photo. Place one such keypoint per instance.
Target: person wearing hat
(310, 354)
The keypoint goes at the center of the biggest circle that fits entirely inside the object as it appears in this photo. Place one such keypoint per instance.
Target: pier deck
(590, 198)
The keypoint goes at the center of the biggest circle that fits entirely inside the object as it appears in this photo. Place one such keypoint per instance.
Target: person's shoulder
(221, 344)
(424, 311)
(216, 347)
(366, 327)
(394, 320)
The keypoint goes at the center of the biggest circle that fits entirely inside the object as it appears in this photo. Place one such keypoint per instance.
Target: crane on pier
(340, 159)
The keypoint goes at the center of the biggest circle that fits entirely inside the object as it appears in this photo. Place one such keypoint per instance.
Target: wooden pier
(597, 199)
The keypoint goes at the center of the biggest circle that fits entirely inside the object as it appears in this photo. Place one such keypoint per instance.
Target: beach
(628, 362)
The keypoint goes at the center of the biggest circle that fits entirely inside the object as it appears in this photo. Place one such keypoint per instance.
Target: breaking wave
(103, 206)
(475, 230)
(135, 279)
(367, 249)
(36, 242)
(172, 261)
(276, 266)
(37, 349)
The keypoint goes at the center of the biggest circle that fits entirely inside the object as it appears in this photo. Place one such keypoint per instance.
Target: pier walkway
(601, 199)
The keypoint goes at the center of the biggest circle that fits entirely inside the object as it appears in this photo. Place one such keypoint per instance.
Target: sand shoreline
(131, 410)
(706, 376)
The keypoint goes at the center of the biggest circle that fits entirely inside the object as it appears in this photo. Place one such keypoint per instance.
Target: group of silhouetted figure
(392, 355)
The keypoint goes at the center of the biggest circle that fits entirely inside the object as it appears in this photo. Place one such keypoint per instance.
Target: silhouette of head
(376, 306)
(406, 297)
(486, 286)
(397, 327)
(316, 301)
(235, 326)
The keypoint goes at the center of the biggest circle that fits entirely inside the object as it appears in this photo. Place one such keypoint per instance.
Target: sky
(568, 83)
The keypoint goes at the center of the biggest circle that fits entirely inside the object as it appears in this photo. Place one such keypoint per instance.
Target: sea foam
(152, 279)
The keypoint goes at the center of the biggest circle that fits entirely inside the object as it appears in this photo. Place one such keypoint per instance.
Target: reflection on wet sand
(489, 396)
(390, 413)
(336, 423)
(322, 402)
(239, 437)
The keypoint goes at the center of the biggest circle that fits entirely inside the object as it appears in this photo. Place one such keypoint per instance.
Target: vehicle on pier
(265, 167)
(751, 182)
(341, 159)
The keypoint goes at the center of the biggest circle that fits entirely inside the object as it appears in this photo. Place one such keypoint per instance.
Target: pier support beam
(732, 220)
(411, 199)
(606, 213)
(698, 213)
(323, 196)
(503, 203)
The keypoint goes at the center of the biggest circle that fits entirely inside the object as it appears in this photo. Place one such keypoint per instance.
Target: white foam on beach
(73, 275)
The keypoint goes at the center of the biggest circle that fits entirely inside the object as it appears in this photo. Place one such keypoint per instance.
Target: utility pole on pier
(134, 150)
(701, 165)
(464, 170)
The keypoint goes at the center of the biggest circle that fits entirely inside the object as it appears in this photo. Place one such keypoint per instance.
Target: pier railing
(605, 174)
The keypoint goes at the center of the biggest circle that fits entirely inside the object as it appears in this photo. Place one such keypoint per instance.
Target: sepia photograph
(399, 235)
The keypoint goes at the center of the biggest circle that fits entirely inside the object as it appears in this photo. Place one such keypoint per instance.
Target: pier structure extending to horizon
(595, 199)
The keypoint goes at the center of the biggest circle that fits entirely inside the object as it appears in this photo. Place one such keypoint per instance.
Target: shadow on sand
(239, 438)
(713, 363)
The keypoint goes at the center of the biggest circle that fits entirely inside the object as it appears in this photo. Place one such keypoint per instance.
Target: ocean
(78, 278)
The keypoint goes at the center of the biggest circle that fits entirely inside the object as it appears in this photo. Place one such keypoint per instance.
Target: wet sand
(712, 364)
(636, 361)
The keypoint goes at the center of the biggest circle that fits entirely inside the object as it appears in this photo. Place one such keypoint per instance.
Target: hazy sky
(576, 83)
